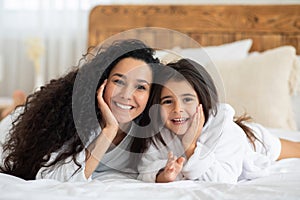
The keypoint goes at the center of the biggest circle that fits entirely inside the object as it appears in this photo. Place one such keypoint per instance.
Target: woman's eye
(119, 82)
(140, 87)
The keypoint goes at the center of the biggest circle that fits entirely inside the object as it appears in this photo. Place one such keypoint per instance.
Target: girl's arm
(172, 169)
(189, 140)
(224, 163)
(154, 160)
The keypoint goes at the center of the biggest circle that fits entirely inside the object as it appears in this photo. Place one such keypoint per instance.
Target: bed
(267, 40)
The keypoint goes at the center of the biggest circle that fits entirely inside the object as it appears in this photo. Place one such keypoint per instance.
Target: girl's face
(178, 101)
(128, 88)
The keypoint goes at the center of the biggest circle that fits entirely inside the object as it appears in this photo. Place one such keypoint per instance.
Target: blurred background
(42, 39)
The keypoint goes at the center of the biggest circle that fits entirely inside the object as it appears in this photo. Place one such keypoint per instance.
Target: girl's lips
(179, 120)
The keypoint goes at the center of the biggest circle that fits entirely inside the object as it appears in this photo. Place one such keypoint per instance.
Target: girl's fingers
(202, 117)
(170, 156)
(180, 160)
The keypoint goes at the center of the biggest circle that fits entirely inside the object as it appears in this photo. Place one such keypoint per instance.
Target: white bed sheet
(282, 183)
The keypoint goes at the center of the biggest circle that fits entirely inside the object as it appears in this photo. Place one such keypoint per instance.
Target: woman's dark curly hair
(60, 115)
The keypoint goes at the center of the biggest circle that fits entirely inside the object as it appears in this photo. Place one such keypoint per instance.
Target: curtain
(40, 40)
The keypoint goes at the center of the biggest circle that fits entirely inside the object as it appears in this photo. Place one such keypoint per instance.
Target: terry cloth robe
(223, 152)
(117, 160)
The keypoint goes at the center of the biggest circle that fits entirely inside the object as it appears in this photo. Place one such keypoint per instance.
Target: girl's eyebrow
(188, 95)
(165, 97)
(125, 77)
(183, 95)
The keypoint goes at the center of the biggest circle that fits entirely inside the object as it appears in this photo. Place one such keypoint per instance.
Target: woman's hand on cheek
(108, 117)
(190, 138)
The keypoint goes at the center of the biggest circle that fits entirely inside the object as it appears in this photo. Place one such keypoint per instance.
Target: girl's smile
(179, 101)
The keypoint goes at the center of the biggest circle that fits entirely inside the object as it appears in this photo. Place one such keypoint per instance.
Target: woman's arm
(97, 149)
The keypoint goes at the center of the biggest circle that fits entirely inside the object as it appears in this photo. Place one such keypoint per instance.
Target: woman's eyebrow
(125, 77)
(143, 81)
(119, 75)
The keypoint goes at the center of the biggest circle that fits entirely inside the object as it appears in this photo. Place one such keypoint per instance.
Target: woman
(69, 124)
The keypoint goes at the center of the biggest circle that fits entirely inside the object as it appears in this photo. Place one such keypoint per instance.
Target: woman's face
(128, 88)
(178, 102)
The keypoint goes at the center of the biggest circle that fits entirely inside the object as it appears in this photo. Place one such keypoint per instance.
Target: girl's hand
(189, 140)
(108, 117)
(172, 169)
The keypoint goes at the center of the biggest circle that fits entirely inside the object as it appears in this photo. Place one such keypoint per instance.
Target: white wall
(16, 70)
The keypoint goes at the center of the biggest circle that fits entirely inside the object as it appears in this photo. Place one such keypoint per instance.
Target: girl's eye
(119, 82)
(166, 102)
(187, 99)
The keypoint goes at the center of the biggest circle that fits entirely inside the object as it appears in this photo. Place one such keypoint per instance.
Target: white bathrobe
(223, 152)
(117, 160)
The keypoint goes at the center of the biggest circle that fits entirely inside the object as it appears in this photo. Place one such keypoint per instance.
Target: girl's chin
(178, 132)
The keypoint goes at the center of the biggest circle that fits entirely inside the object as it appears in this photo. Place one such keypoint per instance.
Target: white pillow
(204, 55)
(262, 85)
(230, 51)
(296, 109)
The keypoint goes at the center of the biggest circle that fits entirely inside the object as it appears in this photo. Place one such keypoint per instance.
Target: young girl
(82, 122)
(199, 138)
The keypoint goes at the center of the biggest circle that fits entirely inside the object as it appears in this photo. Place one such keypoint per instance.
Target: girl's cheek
(164, 114)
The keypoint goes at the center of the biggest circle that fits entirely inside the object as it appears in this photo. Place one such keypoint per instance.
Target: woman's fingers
(100, 94)
(108, 116)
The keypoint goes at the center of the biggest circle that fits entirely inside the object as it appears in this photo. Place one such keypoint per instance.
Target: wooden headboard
(269, 26)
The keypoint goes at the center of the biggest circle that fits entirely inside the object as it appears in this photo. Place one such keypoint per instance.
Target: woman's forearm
(97, 149)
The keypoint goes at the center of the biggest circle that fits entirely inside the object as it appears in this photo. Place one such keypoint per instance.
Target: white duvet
(283, 183)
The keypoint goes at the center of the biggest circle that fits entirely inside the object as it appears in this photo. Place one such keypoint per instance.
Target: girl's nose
(177, 108)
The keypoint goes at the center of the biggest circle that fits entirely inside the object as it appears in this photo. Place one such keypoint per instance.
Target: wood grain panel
(268, 25)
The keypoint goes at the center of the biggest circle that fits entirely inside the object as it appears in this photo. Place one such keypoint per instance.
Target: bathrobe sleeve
(223, 164)
(221, 161)
(150, 164)
(66, 172)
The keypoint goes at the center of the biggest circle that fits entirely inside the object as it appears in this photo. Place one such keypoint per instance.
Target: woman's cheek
(142, 99)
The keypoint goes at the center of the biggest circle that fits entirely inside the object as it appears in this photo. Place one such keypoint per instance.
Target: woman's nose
(126, 93)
